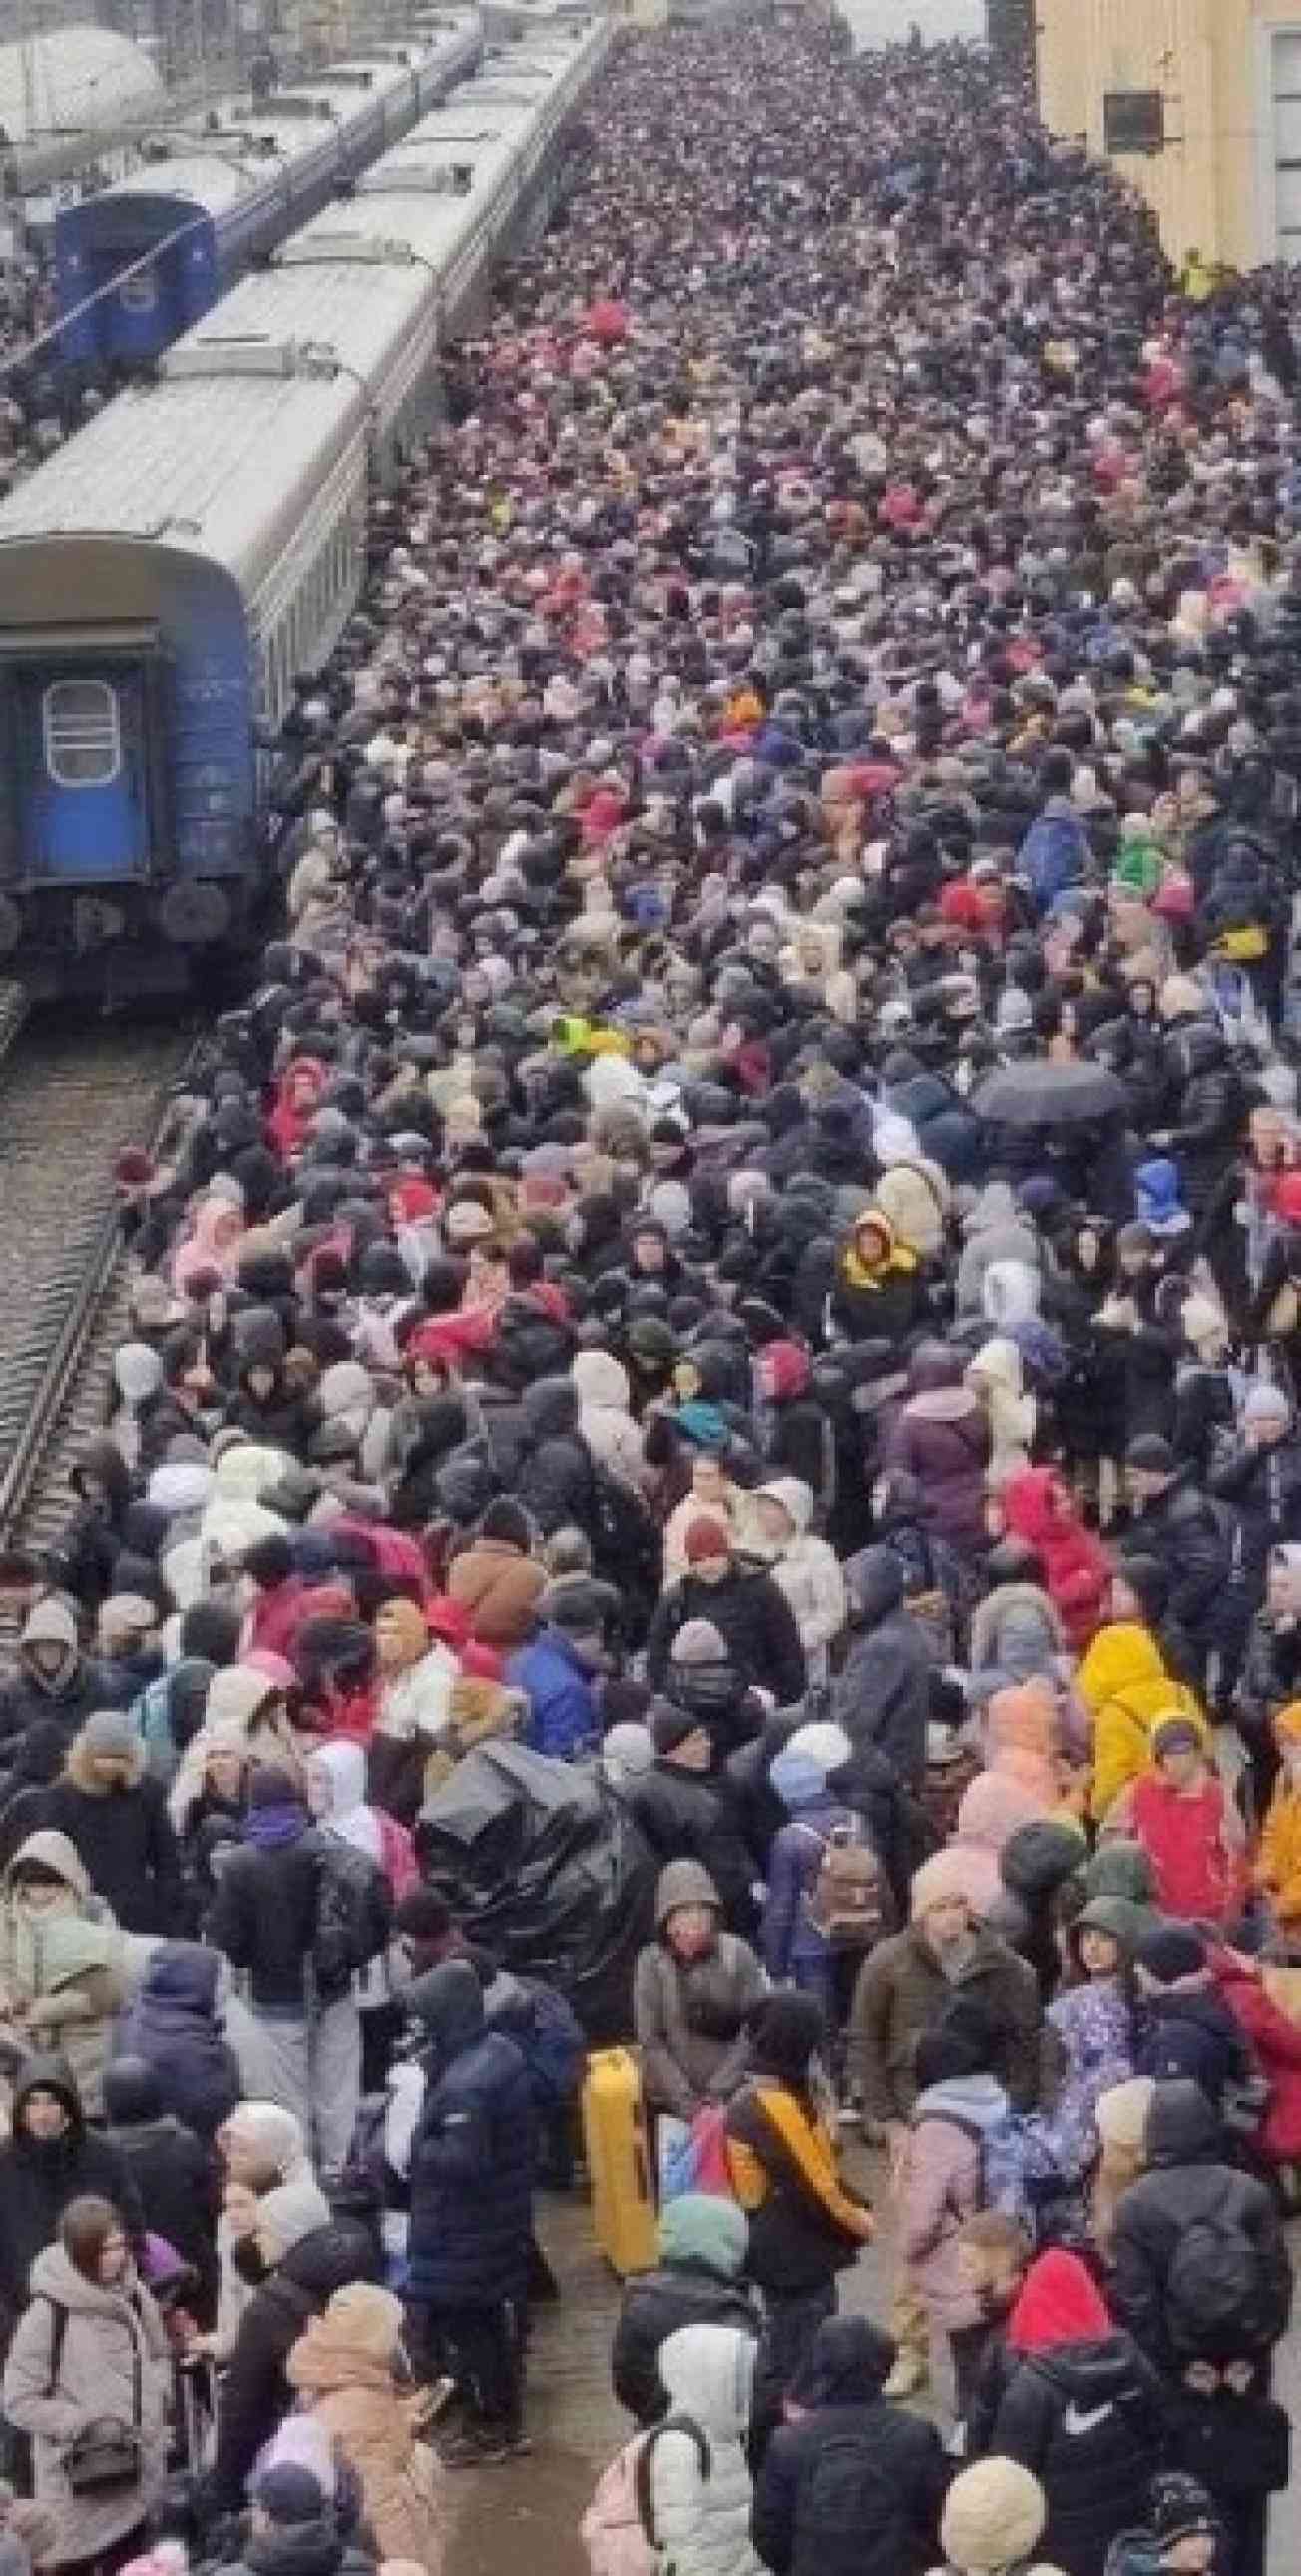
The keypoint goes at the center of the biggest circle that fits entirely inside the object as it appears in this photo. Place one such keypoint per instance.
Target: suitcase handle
(639, 2159)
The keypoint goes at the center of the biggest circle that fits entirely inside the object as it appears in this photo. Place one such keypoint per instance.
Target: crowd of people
(746, 1248)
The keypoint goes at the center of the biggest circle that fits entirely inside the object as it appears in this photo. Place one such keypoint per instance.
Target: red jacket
(1276, 2041)
(1196, 1875)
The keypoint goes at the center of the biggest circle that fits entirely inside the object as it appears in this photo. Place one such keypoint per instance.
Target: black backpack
(350, 1909)
(849, 2510)
(1221, 2301)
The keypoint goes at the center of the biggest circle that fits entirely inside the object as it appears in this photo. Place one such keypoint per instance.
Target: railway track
(71, 1098)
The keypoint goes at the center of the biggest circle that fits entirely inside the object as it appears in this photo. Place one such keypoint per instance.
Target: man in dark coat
(882, 1698)
(295, 2529)
(1186, 1535)
(720, 1590)
(49, 2158)
(471, 2207)
(697, 2282)
(174, 2024)
(177, 2177)
(554, 1478)
(255, 2394)
(1081, 2410)
(115, 1816)
(853, 2485)
(1189, 2180)
(51, 1678)
(685, 1815)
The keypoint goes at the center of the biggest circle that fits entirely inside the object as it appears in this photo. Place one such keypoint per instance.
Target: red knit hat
(1060, 2302)
(706, 1538)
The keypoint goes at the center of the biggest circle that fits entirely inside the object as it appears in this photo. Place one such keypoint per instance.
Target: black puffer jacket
(882, 1698)
(1187, 2180)
(1181, 1530)
(655, 2304)
(1191, 2035)
(753, 1618)
(1210, 1105)
(683, 1818)
(854, 2490)
(554, 1480)
(175, 2174)
(255, 2394)
(1085, 2419)
(39, 2176)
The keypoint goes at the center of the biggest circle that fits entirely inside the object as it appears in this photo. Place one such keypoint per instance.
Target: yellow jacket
(1278, 1864)
(1125, 1687)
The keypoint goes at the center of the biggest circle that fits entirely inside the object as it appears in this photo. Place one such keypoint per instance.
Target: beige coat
(343, 2365)
(114, 2363)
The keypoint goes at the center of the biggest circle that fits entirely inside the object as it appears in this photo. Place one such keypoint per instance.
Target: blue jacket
(472, 2179)
(787, 1936)
(175, 2024)
(562, 1708)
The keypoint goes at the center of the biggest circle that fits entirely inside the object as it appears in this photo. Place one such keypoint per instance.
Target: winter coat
(1016, 1634)
(1085, 2418)
(605, 1415)
(697, 2282)
(562, 1714)
(995, 1230)
(788, 1939)
(807, 1573)
(702, 2523)
(1186, 1536)
(1200, 1874)
(684, 1817)
(808, 2513)
(902, 1991)
(65, 1969)
(1278, 1861)
(943, 2185)
(125, 1841)
(176, 2177)
(1125, 1686)
(39, 2176)
(882, 1693)
(751, 1616)
(471, 2174)
(553, 1478)
(114, 2363)
(782, 2160)
(498, 1588)
(1186, 2031)
(1263, 1489)
(174, 2023)
(689, 2016)
(306, 2549)
(344, 2372)
(255, 2392)
(1186, 2180)
(1274, 2039)
(1093, 2028)
(70, 1694)
(264, 1918)
(941, 1436)
(1076, 1566)
(1210, 1098)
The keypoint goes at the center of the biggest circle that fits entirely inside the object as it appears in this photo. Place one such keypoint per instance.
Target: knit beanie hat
(1172, 1952)
(786, 2030)
(628, 1750)
(942, 1878)
(1059, 2302)
(1265, 1403)
(994, 2514)
(670, 1726)
(698, 1641)
(109, 1731)
(706, 1538)
(289, 2494)
(1181, 2509)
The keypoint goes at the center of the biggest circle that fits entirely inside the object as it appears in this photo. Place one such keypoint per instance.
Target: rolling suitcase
(618, 2161)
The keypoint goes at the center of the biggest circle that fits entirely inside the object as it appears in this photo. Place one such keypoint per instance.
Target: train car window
(83, 733)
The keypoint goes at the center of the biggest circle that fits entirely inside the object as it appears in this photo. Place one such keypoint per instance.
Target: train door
(82, 773)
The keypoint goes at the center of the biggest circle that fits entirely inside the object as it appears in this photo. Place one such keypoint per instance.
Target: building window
(83, 734)
(1133, 120)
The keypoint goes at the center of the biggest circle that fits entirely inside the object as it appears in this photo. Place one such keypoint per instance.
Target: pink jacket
(941, 2188)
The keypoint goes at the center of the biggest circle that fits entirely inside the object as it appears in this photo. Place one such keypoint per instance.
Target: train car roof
(232, 443)
(76, 79)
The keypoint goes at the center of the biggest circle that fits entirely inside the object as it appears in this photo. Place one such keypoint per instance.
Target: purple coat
(941, 1437)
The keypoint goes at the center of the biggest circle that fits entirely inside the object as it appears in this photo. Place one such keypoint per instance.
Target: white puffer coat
(702, 2524)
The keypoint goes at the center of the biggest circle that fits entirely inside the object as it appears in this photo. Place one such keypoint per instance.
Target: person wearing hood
(993, 2519)
(85, 1554)
(605, 1419)
(700, 2494)
(471, 2225)
(35, 1768)
(997, 1377)
(806, 2224)
(1190, 2185)
(296, 2032)
(51, 2157)
(1178, 1526)
(61, 1958)
(1076, 1569)
(174, 2024)
(1128, 1679)
(296, 2523)
(1089, 2032)
(941, 1436)
(703, 2246)
(793, 1426)
(336, 1797)
(290, 2282)
(169, 1712)
(554, 1481)
(1185, 2030)
(936, 1587)
(805, 1570)
(793, 1949)
(1083, 2412)
(882, 1694)
(742, 1604)
(693, 1991)
(90, 2349)
(939, 2177)
(52, 1678)
(850, 2484)
(115, 1817)
(417, 1674)
(349, 2367)
(1017, 1633)
(176, 2176)
(878, 1293)
(998, 1235)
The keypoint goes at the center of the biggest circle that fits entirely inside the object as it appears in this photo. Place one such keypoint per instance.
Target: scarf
(702, 1422)
(856, 1273)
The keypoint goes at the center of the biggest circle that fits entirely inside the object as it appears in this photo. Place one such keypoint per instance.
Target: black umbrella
(1040, 1094)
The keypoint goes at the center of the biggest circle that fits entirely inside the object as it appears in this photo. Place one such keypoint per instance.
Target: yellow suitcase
(618, 2161)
